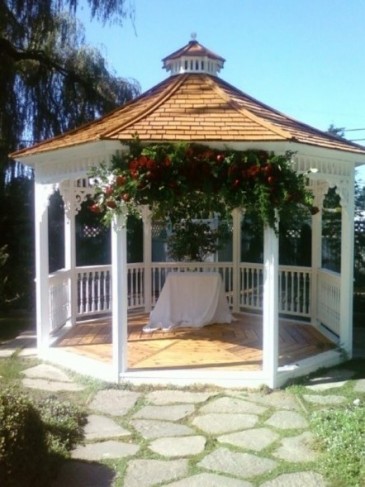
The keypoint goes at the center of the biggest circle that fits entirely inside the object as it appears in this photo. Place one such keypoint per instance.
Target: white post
(236, 257)
(347, 266)
(270, 306)
(319, 190)
(42, 266)
(70, 256)
(119, 295)
(147, 258)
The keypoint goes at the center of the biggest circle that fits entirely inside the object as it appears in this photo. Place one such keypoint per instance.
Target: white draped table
(192, 299)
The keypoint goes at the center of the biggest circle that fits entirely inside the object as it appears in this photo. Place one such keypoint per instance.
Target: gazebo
(194, 105)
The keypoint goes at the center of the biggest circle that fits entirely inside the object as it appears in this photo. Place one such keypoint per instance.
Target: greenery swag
(184, 181)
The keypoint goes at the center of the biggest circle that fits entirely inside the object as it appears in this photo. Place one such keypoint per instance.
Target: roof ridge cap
(252, 116)
(170, 90)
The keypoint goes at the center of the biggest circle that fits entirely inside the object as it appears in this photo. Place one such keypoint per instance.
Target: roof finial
(193, 36)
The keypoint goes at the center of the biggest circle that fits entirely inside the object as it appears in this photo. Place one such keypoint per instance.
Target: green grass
(340, 435)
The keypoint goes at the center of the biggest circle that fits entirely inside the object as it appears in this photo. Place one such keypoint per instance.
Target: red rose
(108, 190)
(111, 204)
(121, 180)
(253, 171)
(95, 208)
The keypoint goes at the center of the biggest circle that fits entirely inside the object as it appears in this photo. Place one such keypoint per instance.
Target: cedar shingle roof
(194, 107)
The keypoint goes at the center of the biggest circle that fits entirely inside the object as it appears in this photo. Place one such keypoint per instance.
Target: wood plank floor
(237, 346)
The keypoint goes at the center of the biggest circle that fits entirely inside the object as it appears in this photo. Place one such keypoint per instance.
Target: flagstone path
(183, 438)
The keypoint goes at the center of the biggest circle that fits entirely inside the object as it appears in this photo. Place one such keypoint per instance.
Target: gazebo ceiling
(193, 106)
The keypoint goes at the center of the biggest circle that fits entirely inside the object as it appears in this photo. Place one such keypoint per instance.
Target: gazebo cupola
(193, 58)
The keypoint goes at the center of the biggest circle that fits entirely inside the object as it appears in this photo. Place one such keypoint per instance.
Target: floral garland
(185, 180)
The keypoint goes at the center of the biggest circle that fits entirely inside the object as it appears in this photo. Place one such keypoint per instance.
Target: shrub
(34, 437)
(63, 423)
(23, 442)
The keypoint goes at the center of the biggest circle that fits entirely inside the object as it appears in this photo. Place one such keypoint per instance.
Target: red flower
(111, 204)
(121, 180)
(95, 208)
(253, 171)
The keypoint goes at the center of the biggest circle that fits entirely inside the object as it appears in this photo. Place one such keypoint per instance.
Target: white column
(320, 188)
(236, 257)
(347, 266)
(42, 266)
(119, 295)
(147, 258)
(270, 306)
(70, 257)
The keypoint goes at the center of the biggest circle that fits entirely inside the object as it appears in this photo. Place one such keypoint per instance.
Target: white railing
(294, 289)
(94, 290)
(94, 287)
(59, 299)
(329, 294)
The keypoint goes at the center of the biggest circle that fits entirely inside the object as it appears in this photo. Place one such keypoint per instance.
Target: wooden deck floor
(237, 346)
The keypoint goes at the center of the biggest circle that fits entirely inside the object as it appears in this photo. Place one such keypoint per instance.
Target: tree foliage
(50, 82)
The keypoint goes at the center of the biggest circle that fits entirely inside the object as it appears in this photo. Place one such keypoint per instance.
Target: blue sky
(305, 58)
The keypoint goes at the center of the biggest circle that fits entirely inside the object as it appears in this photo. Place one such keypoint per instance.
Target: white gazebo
(194, 105)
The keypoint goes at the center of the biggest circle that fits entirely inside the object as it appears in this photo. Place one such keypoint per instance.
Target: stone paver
(151, 472)
(166, 413)
(276, 399)
(318, 399)
(163, 397)
(114, 402)
(51, 385)
(178, 424)
(299, 479)
(287, 420)
(217, 424)
(184, 447)
(242, 465)
(82, 474)
(331, 380)
(46, 371)
(210, 480)
(160, 429)
(232, 405)
(297, 449)
(360, 386)
(104, 449)
(254, 439)
(99, 427)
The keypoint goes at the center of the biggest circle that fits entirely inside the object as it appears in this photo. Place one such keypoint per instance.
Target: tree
(50, 82)
(336, 131)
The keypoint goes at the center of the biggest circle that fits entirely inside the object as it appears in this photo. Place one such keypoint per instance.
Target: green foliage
(195, 240)
(50, 81)
(64, 423)
(341, 436)
(23, 442)
(4, 256)
(34, 436)
(17, 273)
(187, 181)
